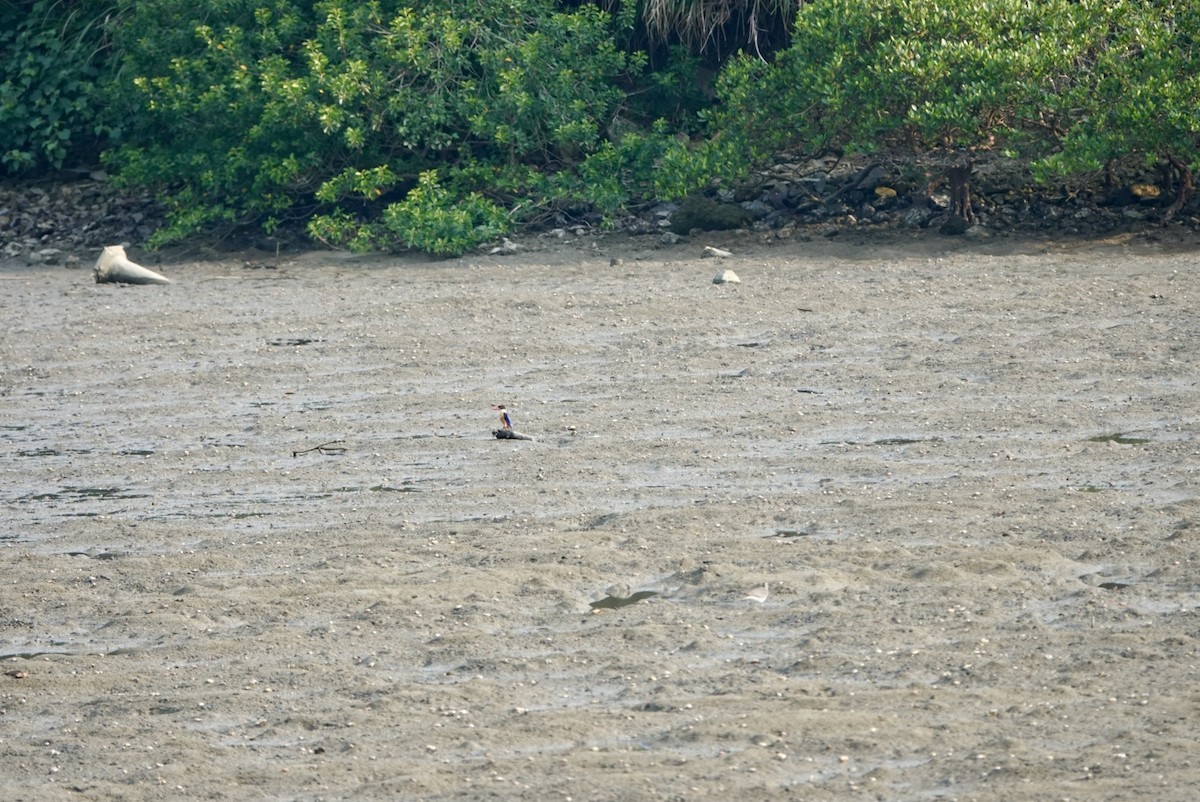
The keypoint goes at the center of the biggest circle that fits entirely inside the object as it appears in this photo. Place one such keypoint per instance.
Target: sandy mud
(258, 541)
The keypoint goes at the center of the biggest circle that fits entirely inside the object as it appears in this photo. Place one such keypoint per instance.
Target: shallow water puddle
(617, 602)
(406, 487)
(791, 533)
(70, 493)
(1119, 439)
(103, 555)
(293, 341)
(1114, 585)
(53, 452)
(883, 441)
(903, 441)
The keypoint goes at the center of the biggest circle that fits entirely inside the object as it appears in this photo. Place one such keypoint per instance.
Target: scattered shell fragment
(726, 277)
(758, 594)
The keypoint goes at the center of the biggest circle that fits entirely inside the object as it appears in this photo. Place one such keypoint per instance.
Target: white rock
(717, 252)
(726, 277)
(506, 247)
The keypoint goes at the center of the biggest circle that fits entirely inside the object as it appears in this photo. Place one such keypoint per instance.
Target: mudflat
(259, 541)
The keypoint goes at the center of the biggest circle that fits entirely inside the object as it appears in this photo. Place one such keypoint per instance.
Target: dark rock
(72, 216)
(758, 209)
(699, 212)
(777, 197)
(954, 226)
(918, 217)
(871, 178)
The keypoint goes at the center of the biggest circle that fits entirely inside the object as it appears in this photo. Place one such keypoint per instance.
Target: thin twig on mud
(324, 448)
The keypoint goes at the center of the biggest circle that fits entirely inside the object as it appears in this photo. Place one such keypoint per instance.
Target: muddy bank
(967, 471)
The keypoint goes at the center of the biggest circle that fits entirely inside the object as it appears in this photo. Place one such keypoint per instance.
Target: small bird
(758, 594)
(505, 421)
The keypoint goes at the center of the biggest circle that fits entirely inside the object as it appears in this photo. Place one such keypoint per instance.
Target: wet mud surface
(259, 542)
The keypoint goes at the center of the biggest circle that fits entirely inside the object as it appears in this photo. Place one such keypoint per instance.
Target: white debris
(114, 266)
(505, 247)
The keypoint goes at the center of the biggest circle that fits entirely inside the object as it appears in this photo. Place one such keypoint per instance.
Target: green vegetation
(1135, 93)
(1074, 84)
(438, 129)
(863, 75)
(53, 52)
(444, 125)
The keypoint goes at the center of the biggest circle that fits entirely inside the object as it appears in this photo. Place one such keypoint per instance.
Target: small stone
(726, 277)
(719, 253)
(506, 247)
(758, 209)
(917, 217)
(954, 226)
(46, 256)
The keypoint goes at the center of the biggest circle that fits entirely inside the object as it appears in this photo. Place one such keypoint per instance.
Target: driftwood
(865, 179)
(509, 434)
(114, 266)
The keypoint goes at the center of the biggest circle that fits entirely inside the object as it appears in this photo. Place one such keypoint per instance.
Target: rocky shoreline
(67, 219)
